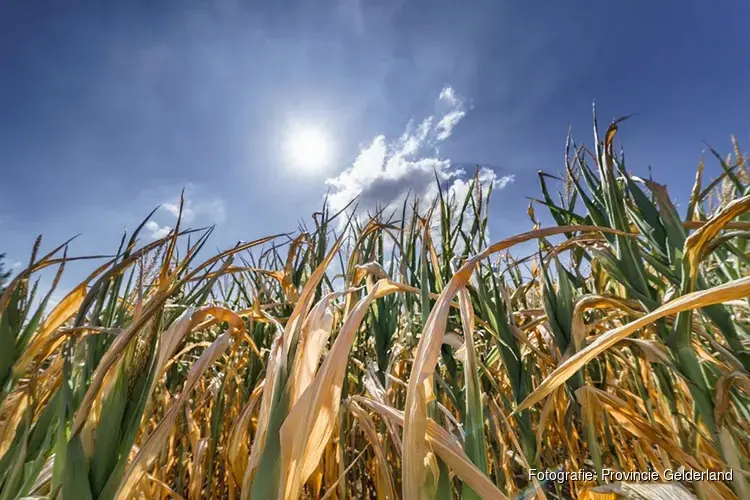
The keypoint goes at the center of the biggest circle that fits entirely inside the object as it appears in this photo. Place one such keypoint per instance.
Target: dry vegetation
(438, 366)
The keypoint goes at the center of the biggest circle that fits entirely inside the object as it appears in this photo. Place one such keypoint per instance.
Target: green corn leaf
(474, 443)
(75, 482)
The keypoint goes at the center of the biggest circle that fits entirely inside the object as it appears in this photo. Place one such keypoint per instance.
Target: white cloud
(387, 172)
(174, 209)
(460, 187)
(157, 231)
(196, 207)
(17, 264)
(455, 114)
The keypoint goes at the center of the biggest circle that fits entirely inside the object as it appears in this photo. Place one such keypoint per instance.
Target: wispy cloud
(387, 172)
(455, 113)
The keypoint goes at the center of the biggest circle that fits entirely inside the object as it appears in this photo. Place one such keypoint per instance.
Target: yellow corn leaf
(197, 470)
(13, 410)
(287, 284)
(588, 302)
(52, 342)
(310, 423)
(64, 310)
(60, 314)
(223, 255)
(259, 440)
(454, 340)
(446, 447)
(377, 391)
(153, 443)
(521, 457)
(307, 296)
(315, 483)
(728, 291)
(697, 242)
(631, 421)
(371, 227)
(542, 426)
(460, 354)
(237, 449)
(313, 338)
(722, 392)
(280, 347)
(653, 350)
(168, 342)
(172, 493)
(428, 351)
(431, 475)
(730, 453)
(111, 356)
(221, 314)
(695, 193)
(637, 491)
(373, 268)
(368, 427)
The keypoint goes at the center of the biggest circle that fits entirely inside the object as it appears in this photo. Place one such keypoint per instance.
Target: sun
(308, 148)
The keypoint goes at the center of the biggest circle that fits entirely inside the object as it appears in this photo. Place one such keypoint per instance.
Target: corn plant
(399, 354)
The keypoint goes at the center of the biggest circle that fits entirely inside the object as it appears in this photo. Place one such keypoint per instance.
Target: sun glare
(308, 148)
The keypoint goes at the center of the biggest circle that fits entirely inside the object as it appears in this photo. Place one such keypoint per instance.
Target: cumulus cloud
(156, 231)
(174, 209)
(386, 172)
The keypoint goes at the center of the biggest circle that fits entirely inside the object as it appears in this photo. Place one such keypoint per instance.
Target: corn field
(399, 355)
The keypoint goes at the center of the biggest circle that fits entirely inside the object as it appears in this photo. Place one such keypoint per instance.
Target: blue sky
(109, 109)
